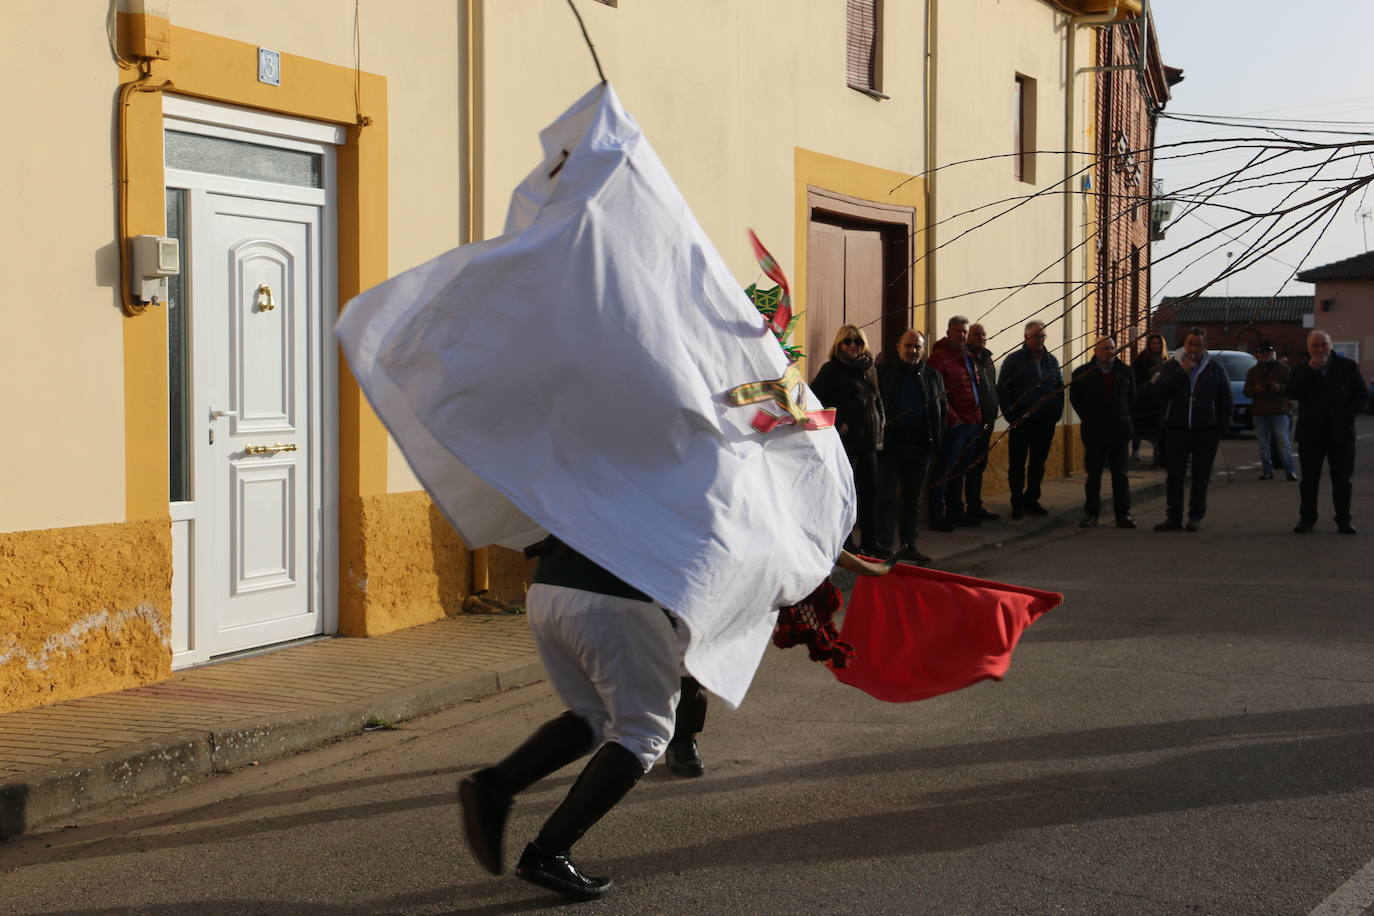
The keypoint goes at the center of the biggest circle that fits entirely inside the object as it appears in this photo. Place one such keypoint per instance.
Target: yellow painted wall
(724, 90)
(83, 610)
(61, 361)
(982, 45)
(417, 52)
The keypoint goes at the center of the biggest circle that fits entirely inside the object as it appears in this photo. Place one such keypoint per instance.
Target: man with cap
(1266, 384)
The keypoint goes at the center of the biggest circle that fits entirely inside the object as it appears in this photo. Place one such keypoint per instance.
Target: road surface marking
(1353, 898)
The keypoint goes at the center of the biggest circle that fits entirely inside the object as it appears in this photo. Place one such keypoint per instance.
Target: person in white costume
(618, 439)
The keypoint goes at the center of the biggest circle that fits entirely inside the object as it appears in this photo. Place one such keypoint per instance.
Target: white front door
(252, 371)
(257, 286)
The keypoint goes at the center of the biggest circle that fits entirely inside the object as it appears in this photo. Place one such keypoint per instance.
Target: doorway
(859, 256)
(251, 378)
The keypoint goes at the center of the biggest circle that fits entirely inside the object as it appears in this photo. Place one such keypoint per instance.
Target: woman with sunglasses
(848, 383)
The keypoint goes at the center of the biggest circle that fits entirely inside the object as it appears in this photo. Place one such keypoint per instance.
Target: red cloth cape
(918, 633)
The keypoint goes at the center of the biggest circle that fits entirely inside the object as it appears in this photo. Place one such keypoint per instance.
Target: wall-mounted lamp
(1327, 303)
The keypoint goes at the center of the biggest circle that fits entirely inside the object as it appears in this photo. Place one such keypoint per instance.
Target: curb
(46, 796)
(1141, 494)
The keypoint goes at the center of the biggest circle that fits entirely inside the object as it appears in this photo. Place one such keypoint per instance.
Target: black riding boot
(486, 795)
(608, 776)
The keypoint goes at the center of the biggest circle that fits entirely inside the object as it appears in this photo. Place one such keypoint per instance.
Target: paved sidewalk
(58, 761)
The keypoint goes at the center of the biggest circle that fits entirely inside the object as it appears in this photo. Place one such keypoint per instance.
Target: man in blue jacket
(1195, 396)
(1329, 392)
(1030, 390)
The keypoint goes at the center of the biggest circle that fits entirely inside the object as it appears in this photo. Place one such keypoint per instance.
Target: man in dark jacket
(963, 415)
(1196, 398)
(987, 391)
(1266, 384)
(1030, 392)
(914, 404)
(1103, 393)
(1330, 392)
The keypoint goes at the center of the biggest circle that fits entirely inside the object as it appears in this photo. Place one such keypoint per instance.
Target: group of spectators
(922, 423)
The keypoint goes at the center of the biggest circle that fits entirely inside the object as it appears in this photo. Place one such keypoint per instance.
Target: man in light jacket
(1266, 385)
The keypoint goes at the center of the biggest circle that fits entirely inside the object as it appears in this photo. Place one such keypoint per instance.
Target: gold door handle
(269, 449)
(264, 300)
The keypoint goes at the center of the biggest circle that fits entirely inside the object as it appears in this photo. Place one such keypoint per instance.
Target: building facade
(1240, 322)
(198, 475)
(1343, 306)
(1132, 87)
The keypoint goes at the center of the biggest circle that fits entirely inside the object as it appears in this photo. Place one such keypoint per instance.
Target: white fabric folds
(569, 377)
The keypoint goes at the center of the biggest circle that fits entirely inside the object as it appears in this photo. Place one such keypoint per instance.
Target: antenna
(1364, 216)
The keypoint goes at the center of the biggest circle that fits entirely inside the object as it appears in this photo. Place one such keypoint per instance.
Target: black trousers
(1102, 451)
(1029, 445)
(973, 478)
(864, 462)
(1184, 447)
(691, 710)
(1340, 461)
(902, 474)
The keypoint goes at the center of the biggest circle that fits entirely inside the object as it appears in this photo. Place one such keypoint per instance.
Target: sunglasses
(852, 342)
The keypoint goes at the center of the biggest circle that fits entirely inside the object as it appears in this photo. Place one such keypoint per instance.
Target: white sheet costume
(568, 377)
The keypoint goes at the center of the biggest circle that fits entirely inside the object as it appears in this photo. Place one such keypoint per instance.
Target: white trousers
(614, 661)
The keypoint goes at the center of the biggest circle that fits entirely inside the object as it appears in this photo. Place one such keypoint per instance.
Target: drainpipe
(931, 124)
(1070, 162)
(471, 192)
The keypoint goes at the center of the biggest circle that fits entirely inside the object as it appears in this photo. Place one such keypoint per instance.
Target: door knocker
(264, 300)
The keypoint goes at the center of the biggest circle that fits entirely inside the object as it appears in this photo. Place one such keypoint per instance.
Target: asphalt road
(1192, 731)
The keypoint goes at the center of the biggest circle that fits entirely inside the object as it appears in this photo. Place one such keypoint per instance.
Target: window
(1023, 129)
(863, 60)
(1348, 349)
(237, 159)
(179, 420)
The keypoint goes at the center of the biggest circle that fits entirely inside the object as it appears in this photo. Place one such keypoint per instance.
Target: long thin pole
(588, 39)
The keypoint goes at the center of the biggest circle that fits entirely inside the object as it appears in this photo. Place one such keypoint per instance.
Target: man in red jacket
(950, 358)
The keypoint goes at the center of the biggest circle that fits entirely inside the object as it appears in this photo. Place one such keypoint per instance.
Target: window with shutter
(862, 58)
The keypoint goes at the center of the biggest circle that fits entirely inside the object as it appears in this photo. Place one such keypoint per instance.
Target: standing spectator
(950, 358)
(1030, 389)
(1196, 398)
(987, 399)
(1102, 393)
(1266, 384)
(914, 404)
(848, 383)
(1330, 392)
(1146, 420)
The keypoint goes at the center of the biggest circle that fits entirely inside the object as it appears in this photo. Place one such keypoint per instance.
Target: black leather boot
(485, 796)
(607, 777)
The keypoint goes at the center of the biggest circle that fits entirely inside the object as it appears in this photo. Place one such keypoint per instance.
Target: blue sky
(1262, 59)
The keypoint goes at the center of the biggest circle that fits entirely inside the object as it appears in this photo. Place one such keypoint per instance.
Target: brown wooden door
(844, 286)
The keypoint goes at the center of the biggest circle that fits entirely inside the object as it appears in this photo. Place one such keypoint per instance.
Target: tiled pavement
(61, 759)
